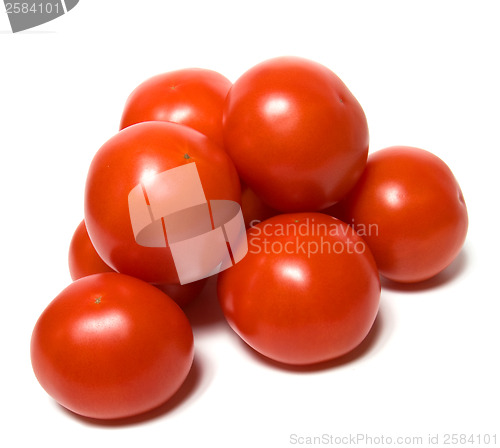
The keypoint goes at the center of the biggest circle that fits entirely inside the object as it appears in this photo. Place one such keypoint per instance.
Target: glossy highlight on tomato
(416, 211)
(297, 135)
(111, 346)
(307, 291)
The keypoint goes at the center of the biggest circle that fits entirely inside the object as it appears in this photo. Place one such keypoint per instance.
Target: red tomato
(83, 259)
(129, 159)
(410, 210)
(307, 291)
(296, 134)
(193, 97)
(111, 346)
(253, 208)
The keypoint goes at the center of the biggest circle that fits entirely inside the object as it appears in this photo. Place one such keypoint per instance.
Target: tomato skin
(83, 259)
(253, 208)
(192, 96)
(121, 164)
(183, 295)
(111, 346)
(300, 309)
(416, 209)
(296, 134)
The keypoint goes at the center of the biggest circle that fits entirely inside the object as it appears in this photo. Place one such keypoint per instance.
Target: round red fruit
(297, 135)
(83, 259)
(410, 210)
(307, 291)
(132, 159)
(111, 346)
(192, 96)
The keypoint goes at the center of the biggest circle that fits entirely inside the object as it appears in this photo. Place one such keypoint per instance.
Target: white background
(426, 74)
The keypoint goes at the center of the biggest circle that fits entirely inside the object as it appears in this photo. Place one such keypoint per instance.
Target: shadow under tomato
(191, 387)
(376, 335)
(453, 271)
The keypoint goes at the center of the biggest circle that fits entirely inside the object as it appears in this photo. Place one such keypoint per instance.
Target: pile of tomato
(325, 219)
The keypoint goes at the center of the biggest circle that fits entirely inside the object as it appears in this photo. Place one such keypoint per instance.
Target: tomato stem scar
(98, 299)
